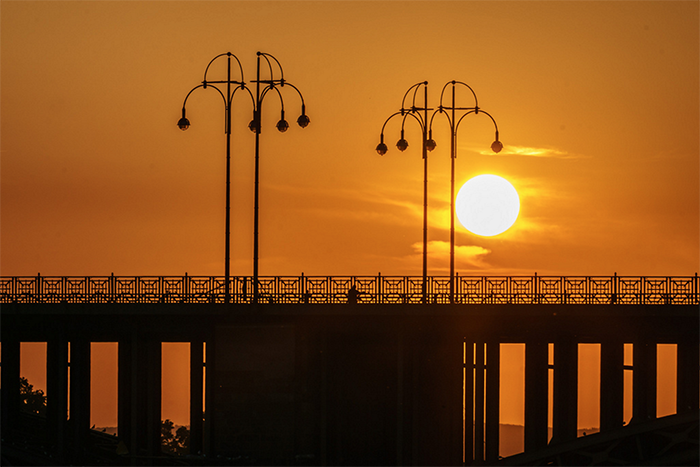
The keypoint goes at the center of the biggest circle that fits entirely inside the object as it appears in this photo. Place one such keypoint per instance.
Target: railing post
(39, 288)
(379, 288)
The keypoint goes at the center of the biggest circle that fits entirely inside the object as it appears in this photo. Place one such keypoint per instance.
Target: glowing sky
(596, 102)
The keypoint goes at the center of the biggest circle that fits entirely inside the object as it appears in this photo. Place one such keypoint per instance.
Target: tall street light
(454, 120)
(427, 145)
(262, 88)
(184, 124)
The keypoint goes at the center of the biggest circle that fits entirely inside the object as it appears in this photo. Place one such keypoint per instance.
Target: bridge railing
(536, 290)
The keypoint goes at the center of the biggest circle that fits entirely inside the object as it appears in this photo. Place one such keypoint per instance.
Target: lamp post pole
(427, 145)
(184, 124)
(496, 147)
(273, 84)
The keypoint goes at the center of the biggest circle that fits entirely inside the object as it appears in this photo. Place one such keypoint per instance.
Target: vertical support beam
(79, 396)
(210, 396)
(153, 360)
(124, 390)
(493, 378)
(644, 381)
(479, 404)
(688, 377)
(612, 380)
(196, 394)
(57, 393)
(536, 395)
(11, 399)
(565, 415)
(468, 402)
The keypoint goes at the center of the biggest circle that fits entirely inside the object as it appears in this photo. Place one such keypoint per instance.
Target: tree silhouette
(178, 443)
(32, 401)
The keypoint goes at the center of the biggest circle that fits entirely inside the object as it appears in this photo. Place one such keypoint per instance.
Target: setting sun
(487, 205)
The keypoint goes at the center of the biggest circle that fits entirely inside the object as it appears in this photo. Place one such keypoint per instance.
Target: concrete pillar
(469, 402)
(688, 377)
(493, 373)
(79, 396)
(612, 379)
(57, 393)
(152, 397)
(140, 394)
(644, 381)
(209, 442)
(196, 393)
(124, 390)
(10, 386)
(479, 368)
(536, 395)
(565, 416)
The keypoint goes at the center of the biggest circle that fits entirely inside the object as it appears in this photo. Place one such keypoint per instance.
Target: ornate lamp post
(454, 122)
(262, 88)
(232, 86)
(184, 124)
(427, 145)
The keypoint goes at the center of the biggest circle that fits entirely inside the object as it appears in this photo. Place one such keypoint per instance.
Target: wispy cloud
(531, 152)
(464, 254)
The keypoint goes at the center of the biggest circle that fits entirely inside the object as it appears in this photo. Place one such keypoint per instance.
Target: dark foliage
(174, 443)
(32, 401)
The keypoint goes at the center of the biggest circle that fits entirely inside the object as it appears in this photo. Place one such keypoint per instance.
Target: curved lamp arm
(496, 146)
(453, 83)
(228, 54)
(184, 123)
(267, 57)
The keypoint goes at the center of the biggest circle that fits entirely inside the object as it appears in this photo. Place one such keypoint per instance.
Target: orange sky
(597, 104)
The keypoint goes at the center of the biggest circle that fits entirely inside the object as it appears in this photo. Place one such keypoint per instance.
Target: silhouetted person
(353, 293)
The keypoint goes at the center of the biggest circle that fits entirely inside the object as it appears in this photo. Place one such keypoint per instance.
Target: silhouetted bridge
(298, 375)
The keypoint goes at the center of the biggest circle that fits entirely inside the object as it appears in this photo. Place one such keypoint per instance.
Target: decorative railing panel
(535, 290)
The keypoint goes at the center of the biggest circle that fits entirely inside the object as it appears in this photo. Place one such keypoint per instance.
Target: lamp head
(402, 144)
(183, 123)
(303, 120)
(282, 125)
(253, 126)
(430, 144)
(382, 149)
(496, 146)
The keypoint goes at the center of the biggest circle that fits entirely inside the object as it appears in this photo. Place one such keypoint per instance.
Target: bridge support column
(57, 393)
(140, 395)
(565, 416)
(79, 396)
(611, 385)
(437, 393)
(11, 399)
(124, 390)
(468, 402)
(479, 368)
(536, 395)
(493, 377)
(209, 441)
(688, 377)
(196, 394)
(644, 381)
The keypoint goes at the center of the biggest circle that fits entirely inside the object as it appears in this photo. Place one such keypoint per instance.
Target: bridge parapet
(535, 290)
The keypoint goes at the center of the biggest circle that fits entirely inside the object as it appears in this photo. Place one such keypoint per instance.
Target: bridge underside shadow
(348, 384)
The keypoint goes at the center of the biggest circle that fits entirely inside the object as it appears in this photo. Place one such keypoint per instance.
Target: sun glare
(487, 205)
